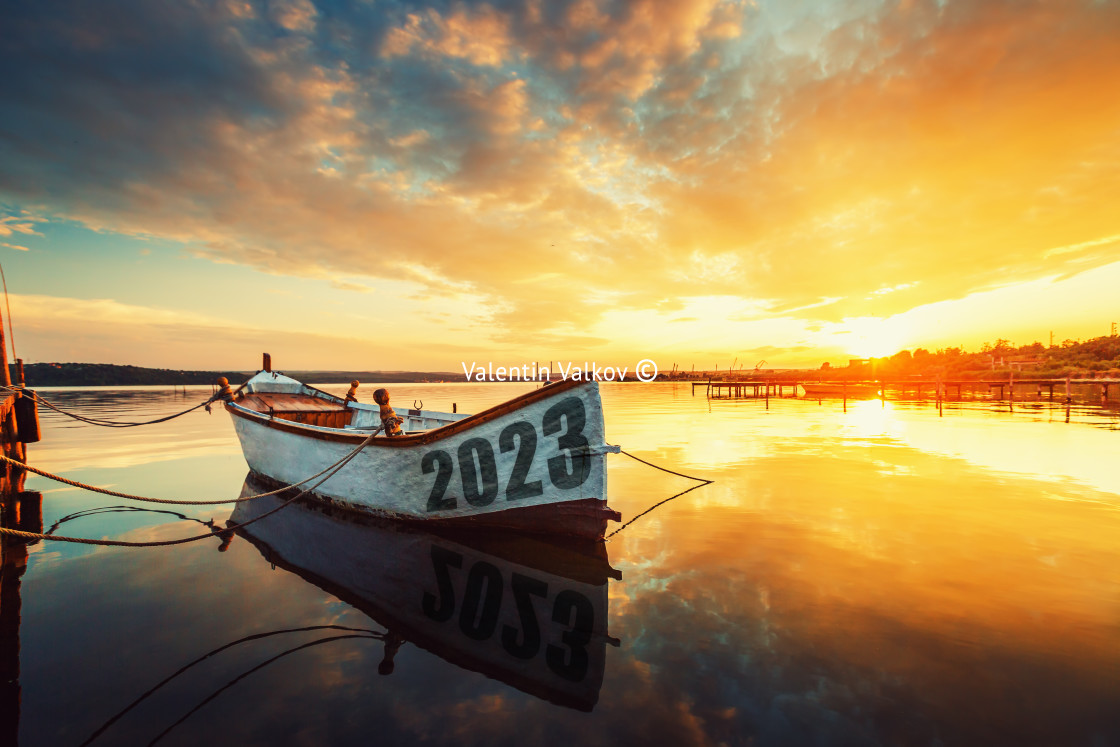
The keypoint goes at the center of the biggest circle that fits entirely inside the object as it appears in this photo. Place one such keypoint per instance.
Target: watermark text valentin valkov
(645, 370)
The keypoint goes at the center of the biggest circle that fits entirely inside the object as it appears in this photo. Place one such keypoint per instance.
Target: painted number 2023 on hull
(478, 467)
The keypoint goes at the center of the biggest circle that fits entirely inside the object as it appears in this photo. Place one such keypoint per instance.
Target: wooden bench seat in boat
(299, 408)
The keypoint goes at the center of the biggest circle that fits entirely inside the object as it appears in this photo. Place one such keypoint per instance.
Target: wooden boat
(519, 609)
(535, 463)
(851, 391)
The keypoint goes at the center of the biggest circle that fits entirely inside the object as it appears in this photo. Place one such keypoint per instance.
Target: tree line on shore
(1000, 359)
(1096, 357)
(109, 374)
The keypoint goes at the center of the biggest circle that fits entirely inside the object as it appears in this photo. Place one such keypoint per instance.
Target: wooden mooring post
(23, 510)
(14, 562)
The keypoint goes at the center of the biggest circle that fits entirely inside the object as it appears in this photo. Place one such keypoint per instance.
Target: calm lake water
(884, 575)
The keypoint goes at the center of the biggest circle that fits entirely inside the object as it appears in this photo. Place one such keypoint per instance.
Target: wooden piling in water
(12, 566)
(6, 376)
(22, 510)
(19, 509)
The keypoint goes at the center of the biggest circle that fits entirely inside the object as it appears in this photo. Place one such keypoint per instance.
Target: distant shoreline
(1096, 357)
(108, 374)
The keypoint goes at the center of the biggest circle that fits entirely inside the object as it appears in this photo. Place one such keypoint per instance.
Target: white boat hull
(540, 450)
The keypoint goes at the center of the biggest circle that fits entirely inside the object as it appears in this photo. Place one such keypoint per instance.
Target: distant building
(859, 362)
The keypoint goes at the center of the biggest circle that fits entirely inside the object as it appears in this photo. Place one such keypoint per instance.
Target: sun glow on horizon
(866, 337)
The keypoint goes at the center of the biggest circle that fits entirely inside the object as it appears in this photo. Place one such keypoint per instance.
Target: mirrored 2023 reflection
(520, 609)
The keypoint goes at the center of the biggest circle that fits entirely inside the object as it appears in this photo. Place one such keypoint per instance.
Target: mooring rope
(124, 509)
(703, 481)
(671, 472)
(183, 540)
(659, 503)
(258, 667)
(168, 501)
(102, 422)
(204, 657)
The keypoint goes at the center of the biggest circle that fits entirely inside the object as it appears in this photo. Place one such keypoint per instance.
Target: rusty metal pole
(6, 376)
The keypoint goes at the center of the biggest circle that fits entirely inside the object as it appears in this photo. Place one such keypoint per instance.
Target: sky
(381, 185)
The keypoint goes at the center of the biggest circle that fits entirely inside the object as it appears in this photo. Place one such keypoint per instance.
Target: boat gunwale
(323, 433)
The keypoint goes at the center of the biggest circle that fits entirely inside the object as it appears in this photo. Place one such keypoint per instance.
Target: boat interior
(325, 411)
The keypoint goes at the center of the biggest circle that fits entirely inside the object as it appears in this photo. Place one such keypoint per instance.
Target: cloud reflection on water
(851, 579)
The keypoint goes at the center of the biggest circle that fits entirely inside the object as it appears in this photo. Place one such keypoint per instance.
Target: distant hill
(108, 374)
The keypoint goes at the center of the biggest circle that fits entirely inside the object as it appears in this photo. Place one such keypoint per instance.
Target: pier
(748, 388)
(756, 388)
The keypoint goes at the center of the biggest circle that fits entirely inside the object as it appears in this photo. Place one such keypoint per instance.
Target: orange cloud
(23, 223)
(294, 15)
(480, 36)
(561, 162)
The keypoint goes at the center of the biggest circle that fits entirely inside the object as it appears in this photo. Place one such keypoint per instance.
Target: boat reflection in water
(527, 611)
